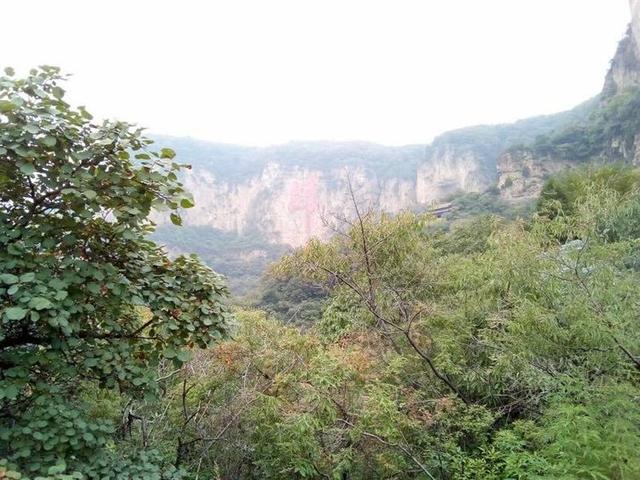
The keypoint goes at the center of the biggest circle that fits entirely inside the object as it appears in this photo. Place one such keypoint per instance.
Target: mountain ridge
(303, 179)
(280, 195)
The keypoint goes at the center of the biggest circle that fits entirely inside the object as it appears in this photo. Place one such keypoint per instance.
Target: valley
(179, 309)
(279, 195)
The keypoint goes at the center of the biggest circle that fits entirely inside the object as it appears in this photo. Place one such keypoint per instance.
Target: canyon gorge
(264, 200)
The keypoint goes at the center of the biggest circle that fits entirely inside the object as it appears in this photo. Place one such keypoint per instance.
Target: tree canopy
(89, 305)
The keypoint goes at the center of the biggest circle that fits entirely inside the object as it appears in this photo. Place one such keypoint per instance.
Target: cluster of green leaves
(498, 349)
(564, 192)
(86, 299)
(291, 300)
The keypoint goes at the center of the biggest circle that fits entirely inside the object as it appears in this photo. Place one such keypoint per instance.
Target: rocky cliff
(280, 196)
(609, 133)
(285, 193)
(254, 203)
(625, 66)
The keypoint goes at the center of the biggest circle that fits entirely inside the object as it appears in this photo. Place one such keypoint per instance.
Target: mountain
(254, 203)
(610, 133)
(282, 192)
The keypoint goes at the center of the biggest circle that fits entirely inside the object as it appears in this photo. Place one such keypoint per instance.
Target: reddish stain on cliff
(304, 201)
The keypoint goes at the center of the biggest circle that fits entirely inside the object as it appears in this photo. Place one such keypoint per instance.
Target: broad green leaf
(175, 219)
(17, 101)
(138, 381)
(57, 283)
(15, 313)
(49, 141)
(40, 303)
(184, 355)
(57, 469)
(27, 168)
(167, 153)
(61, 295)
(23, 152)
(6, 106)
(57, 92)
(186, 203)
(10, 392)
(27, 277)
(9, 279)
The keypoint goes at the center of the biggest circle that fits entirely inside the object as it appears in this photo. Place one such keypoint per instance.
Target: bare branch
(400, 447)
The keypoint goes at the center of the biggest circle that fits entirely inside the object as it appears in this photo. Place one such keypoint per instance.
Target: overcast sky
(270, 71)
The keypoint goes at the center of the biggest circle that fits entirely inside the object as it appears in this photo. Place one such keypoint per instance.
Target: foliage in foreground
(89, 306)
(497, 350)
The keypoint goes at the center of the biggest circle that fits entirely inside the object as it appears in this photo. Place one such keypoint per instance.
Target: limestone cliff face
(625, 66)
(619, 149)
(450, 169)
(521, 173)
(283, 194)
(286, 193)
(288, 204)
(253, 204)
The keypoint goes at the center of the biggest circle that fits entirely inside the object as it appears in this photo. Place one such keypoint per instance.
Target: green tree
(488, 351)
(88, 305)
(562, 192)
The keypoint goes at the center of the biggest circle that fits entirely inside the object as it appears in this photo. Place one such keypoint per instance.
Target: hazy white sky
(270, 71)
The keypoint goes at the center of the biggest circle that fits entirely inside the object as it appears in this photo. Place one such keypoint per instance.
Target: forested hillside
(241, 258)
(368, 335)
(278, 195)
(252, 204)
(499, 349)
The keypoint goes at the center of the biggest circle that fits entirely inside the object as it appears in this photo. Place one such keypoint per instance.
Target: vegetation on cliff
(608, 133)
(241, 258)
